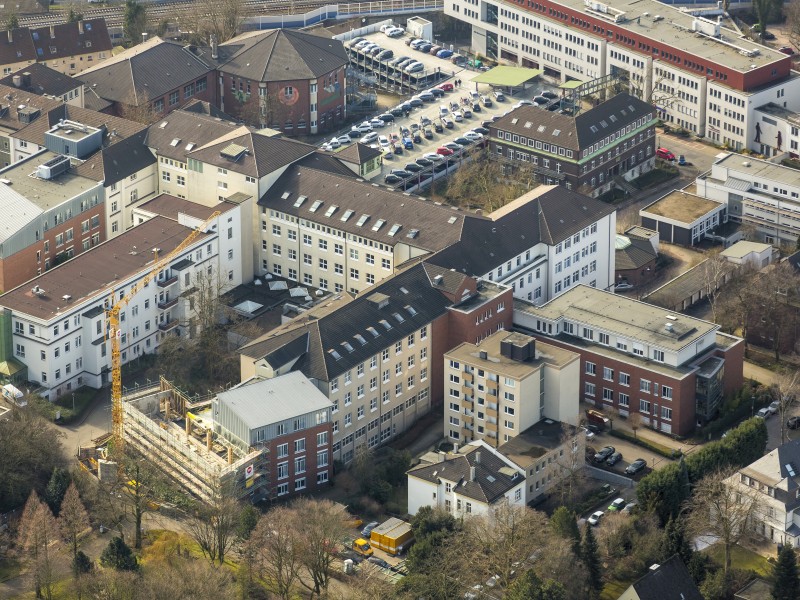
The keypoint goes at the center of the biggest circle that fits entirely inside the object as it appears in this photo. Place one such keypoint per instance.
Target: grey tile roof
(114, 163)
(577, 132)
(264, 154)
(774, 468)
(268, 401)
(44, 80)
(432, 222)
(117, 128)
(278, 55)
(329, 163)
(548, 214)
(357, 153)
(16, 46)
(492, 480)
(192, 129)
(146, 71)
(326, 332)
(11, 98)
(71, 39)
(670, 580)
(637, 254)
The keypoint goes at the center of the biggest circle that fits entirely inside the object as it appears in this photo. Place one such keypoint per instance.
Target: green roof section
(571, 84)
(508, 76)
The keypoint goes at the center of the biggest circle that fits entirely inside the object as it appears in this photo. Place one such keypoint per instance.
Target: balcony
(165, 283)
(491, 427)
(491, 412)
(467, 434)
(492, 385)
(467, 391)
(168, 303)
(168, 325)
(468, 377)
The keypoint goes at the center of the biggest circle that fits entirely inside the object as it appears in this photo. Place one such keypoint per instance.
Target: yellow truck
(393, 536)
(362, 547)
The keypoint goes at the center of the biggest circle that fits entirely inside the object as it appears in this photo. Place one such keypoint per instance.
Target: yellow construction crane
(114, 333)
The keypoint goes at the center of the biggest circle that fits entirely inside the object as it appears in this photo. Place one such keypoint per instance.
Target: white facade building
(58, 319)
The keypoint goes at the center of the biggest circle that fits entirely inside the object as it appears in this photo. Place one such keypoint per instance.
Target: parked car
(387, 117)
(540, 101)
(482, 130)
(665, 154)
(622, 286)
(391, 179)
(463, 141)
(397, 148)
(394, 31)
(548, 94)
(453, 146)
(375, 51)
(364, 127)
(616, 505)
(428, 133)
(377, 123)
(413, 43)
(444, 53)
(486, 101)
(369, 138)
(436, 92)
(592, 428)
(763, 413)
(425, 121)
(774, 407)
(413, 168)
(447, 122)
(446, 87)
(604, 454)
(473, 136)
(425, 48)
(438, 127)
(401, 64)
(434, 50)
(383, 141)
(426, 96)
(417, 137)
(614, 459)
(433, 157)
(424, 162)
(635, 466)
(368, 529)
(398, 59)
(629, 508)
(343, 140)
(522, 103)
(379, 562)
(595, 518)
(788, 50)
(466, 112)
(385, 55)
(415, 68)
(458, 116)
(401, 173)
(416, 102)
(498, 95)
(682, 162)
(476, 107)
(334, 144)
(444, 151)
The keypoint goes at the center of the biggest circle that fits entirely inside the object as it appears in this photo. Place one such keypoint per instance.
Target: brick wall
(310, 436)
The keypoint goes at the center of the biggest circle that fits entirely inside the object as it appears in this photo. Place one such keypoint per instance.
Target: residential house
(69, 48)
(589, 152)
(670, 579)
(672, 369)
(472, 481)
(42, 80)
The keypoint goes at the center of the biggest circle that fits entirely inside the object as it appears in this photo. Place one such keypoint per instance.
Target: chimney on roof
(144, 36)
(478, 457)
(437, 280)
(214, 46)
(472, 474)
(10, 36)
(80, 27)
(26, 79)
(52, 31)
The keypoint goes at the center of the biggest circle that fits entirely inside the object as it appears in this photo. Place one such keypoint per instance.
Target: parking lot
(431, 109)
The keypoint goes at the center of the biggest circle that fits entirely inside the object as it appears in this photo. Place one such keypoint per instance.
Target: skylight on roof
(189, 146)
(630, 106)
(452, 220)
(297, 203)
(404, 290)
(613, 118)
(528, 124)
(603, 124)
(514, 121)
(410, 310)
(412, 233)
(335, 354)
(556, 131)
(373, 331)
(541, 128)
(361, 339)
(285, 195)
(347, 214)
(175, 142)
(395, 228)
(363, 219)
(386, 325)
(314, 207)
(378, 224)
(593, 128)
(398, 317)
(331, 209)
(347, 346)
(162, 124)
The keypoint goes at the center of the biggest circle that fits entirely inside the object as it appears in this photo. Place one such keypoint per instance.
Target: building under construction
(265, 438)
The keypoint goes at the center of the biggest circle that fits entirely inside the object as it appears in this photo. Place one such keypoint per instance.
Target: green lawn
(742, 558)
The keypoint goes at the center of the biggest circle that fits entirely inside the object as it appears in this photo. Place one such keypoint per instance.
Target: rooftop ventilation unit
(53, 167)
(37, 290)
(233, 152)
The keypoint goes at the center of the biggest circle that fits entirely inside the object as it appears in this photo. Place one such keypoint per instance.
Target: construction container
(393, 536)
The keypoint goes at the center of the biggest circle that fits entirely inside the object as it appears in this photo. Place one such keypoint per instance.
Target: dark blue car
(408, 143)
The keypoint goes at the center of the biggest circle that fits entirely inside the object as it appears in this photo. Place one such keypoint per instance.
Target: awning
(571, 84)
(9, 368)
(508, 76)
(740, 185)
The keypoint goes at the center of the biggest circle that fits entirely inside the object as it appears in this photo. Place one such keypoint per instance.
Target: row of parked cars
(610, 457)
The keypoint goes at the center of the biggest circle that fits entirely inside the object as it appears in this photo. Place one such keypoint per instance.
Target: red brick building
(288, 420)
(672, 369)
(288, 80)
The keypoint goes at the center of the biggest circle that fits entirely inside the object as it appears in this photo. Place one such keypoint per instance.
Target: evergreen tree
(591, 558)
(12, 23)
(787, 581)
(529, 587)
(565, 525)
(134, 21)
(674, 542)
(56, 488)
(119, 556)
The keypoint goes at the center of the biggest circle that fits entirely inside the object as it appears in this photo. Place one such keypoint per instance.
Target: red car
(444, 151)
(665, 154)
(446, 87)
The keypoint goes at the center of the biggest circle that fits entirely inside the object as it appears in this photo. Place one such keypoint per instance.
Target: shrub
(644, 443)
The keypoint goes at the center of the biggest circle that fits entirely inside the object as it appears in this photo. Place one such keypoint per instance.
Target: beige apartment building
(505, 384)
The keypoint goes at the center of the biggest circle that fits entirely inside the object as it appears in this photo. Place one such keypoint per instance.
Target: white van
(14, 396)
(443, 110)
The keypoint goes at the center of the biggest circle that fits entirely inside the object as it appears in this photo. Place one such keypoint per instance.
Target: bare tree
(784, 391)
(722, 507)
(323, 525)
(213, 526)
(368, 583)
(715, 271)
(792, 12)
(136, 488)
(138, 107)
(764, 10)
(634, 422)
(73, 518)
(277, 549)
(571, 462)
(37, 537)
(776, 289)
(511, 533)
(220, 17)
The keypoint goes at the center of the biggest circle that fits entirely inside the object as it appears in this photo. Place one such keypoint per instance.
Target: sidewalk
(760, 374)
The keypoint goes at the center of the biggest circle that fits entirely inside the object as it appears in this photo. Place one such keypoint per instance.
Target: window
(624, 400)
(299, 446)
(644, 406)
(322, 458)
(658, 355)
(644, 386)
(283, 470)
(299, 465)
(624, 379)
(589, 389)
(666, 392)
(283, 450)
(608, 395)
(608, 374)
(300, 484)
(591, 368)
